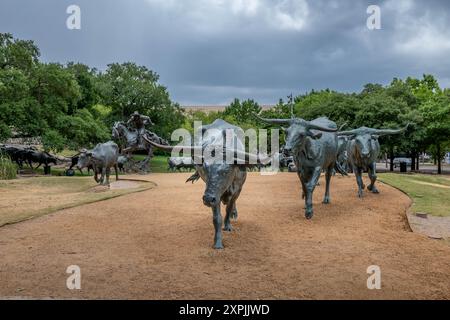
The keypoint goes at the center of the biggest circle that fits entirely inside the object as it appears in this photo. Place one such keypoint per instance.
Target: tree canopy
(73, 105)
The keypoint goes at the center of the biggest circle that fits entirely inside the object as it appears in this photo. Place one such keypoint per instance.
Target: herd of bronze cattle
(314, 146)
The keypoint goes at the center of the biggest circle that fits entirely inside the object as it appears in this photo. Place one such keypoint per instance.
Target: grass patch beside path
(159, 164)
(24, 199)
(431, 194)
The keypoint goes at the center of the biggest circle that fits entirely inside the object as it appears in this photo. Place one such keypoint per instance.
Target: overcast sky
(210, 51)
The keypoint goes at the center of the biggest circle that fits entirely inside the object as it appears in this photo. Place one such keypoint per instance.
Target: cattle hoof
(360, 195)
(373, 189)
(218, 246)
(326, 201)
(228, 228)
(309, 216)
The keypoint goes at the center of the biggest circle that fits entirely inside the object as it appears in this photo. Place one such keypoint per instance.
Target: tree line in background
(73, 105)
(419, 103)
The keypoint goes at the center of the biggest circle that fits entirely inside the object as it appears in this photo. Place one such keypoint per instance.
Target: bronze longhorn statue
(314, 145)
(363, 149)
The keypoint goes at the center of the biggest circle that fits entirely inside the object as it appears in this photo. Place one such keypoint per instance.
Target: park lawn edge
(415, 201)
(52, 210)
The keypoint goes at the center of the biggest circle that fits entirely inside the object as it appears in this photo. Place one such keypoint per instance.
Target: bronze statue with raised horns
(363, 149)
(314, 145)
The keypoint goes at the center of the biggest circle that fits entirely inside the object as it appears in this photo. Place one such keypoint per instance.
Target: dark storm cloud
(210, 51)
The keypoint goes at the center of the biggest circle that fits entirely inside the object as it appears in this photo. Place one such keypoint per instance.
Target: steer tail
(339, 169)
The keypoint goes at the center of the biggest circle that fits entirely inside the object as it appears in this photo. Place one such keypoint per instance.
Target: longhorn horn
(320, 128)
(274, 121)
(385, 132)
(347, 133)
(171, 148)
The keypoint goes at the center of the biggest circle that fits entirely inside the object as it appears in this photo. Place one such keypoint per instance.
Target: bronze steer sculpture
(314, 145)
(103, 157)
(363, 150)
(224, 179)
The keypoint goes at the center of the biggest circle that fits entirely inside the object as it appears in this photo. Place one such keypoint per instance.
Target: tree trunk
(418, 161)
(413, 161)
(439, 158)
(391, 156)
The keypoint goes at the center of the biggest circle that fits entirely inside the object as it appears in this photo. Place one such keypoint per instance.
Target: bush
(52, 140)
(8, 169)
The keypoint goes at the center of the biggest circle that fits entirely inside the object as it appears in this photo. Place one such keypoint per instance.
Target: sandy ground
(158, 245)
(28, 198)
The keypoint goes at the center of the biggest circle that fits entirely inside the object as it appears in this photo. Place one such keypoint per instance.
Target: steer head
(366, 139)
(298, 131)
(219, 177)
(218, 166)
(84, 159)
(366, 144)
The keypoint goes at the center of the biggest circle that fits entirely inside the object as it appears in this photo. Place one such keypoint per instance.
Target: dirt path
(157, 244)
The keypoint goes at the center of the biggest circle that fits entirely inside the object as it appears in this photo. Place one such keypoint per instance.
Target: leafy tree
(55, 88)
(379, 110)
(82, 129)
(243, 112)
(424, 89)
(436, 113)
(19, 54)
(413, 143)
(101, 112)
(5, 131)
(53, 141)
(89, 89)
(128, 87)
(281, 110)
(46, 99)
(14, 95)
(339, 107)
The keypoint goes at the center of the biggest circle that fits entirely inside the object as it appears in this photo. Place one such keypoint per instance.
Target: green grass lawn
(157, 165)
(431, 194)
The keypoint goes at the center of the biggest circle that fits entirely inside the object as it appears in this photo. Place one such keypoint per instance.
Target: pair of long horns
(379, 132)
(289, 122)
(240, 154)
